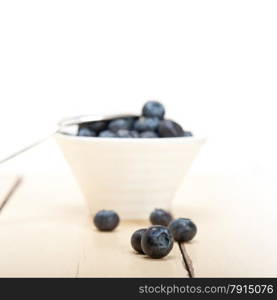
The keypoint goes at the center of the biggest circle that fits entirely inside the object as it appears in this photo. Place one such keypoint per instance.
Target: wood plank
(236, 219)
(42, 229)
(46, 231)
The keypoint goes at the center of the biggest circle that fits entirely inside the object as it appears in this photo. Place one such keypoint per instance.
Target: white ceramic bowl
(130, 176)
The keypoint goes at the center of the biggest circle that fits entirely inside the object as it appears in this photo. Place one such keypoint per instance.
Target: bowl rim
(71, 121)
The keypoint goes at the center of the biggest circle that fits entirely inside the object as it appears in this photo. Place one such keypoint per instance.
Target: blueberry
(160, 217)
(152, 109)
(136, 240)
(106, 220)
(169, 128)
(182, 229)
(134, 133)
(83, 131)
(147, 124)
(131, 121)
(97, 126)
(123, 123)
(124, 133)
(148, 134)
(157, 241)
(187, 133)
(107, 134)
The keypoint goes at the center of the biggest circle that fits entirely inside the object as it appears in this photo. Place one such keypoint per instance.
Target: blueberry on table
(106, 220)
(183, 230)
(122, 123)
(157, 241)
(153, 109)
(160, 217)
(168, 128)
(136, 240)
(146, 124)
(107, 134)
(97, 126)
(83, 131)
(148, 135)
(124, 133)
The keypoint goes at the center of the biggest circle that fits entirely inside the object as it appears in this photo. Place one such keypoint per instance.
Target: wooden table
(46, 231)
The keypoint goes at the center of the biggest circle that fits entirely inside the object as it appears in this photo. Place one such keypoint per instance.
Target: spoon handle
(30, 146)
(64, 123)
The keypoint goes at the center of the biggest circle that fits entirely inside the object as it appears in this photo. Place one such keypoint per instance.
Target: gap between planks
(186, 260)
(12, 186)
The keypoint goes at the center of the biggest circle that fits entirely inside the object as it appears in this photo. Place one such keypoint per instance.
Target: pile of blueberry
(150, 125)
(157, 240)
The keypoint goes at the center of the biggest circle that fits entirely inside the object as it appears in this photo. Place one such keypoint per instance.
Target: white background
(212, 63)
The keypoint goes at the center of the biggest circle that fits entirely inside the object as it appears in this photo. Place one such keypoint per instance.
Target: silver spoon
(66, 123)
